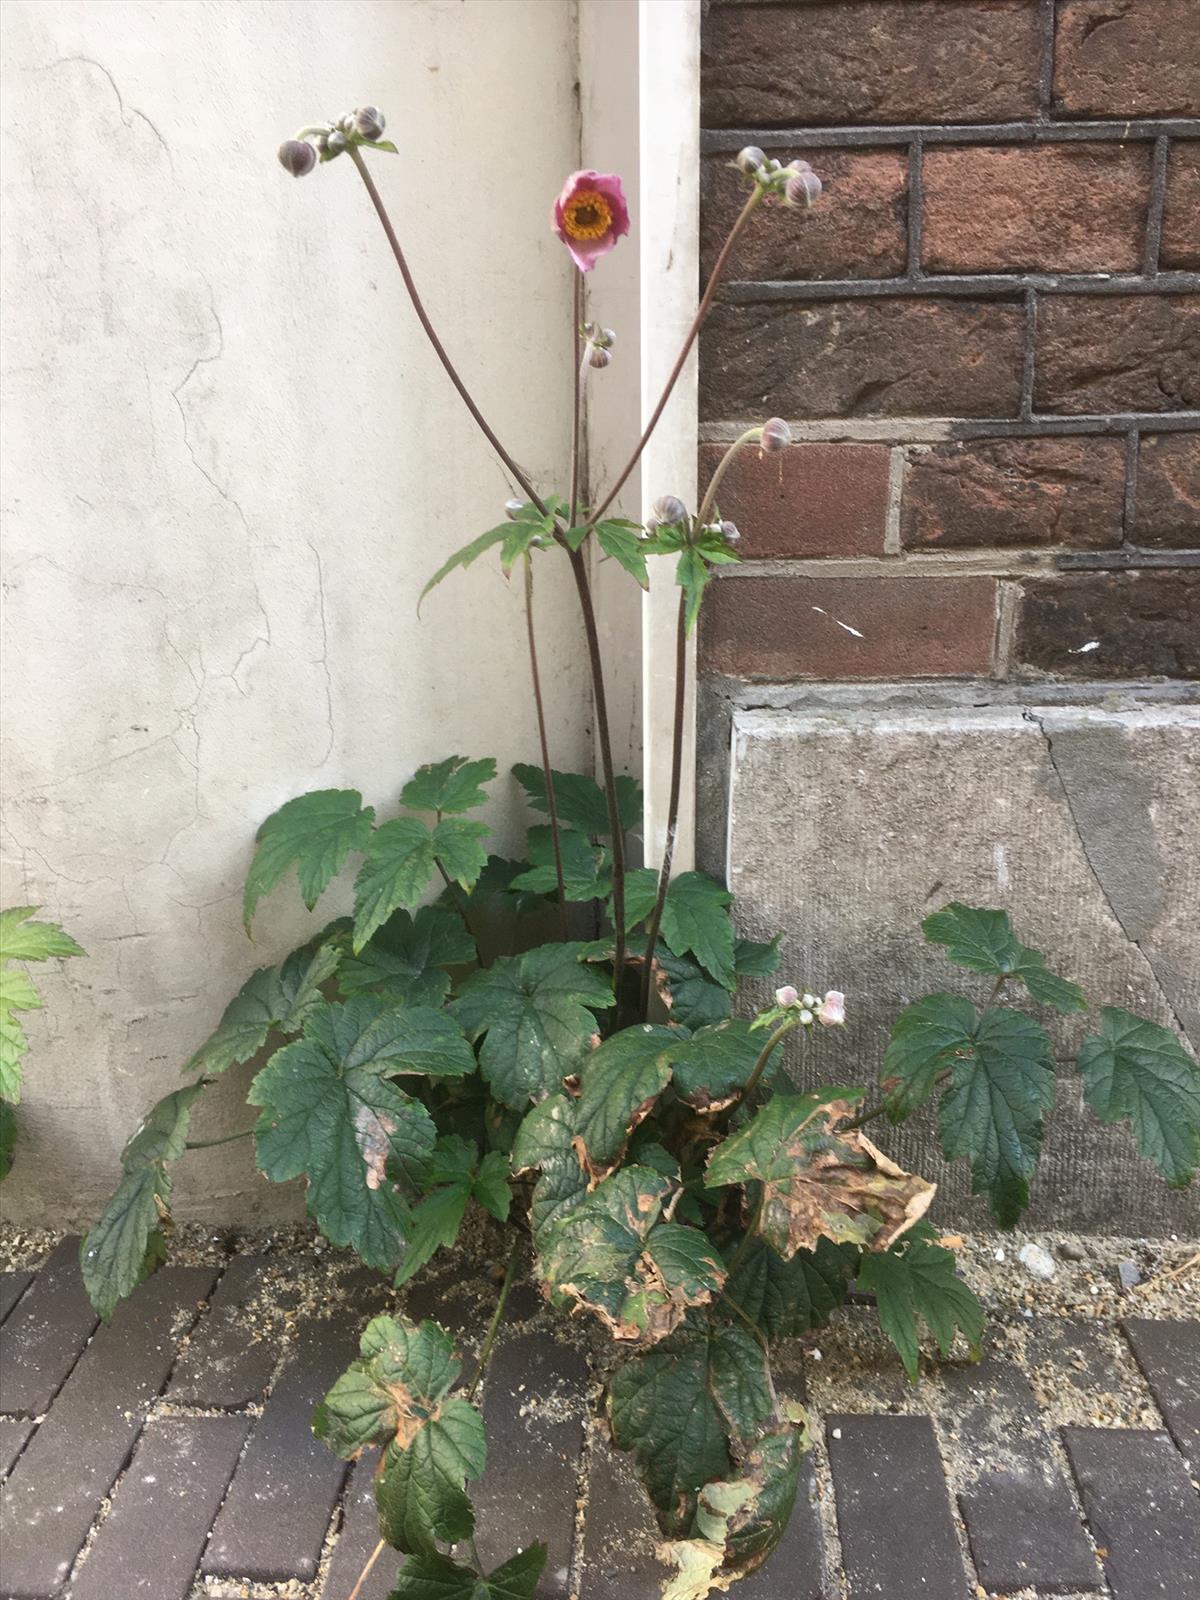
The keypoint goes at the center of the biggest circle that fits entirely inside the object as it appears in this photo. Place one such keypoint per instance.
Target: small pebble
(1130, 1275)
(999, 1255)
(1037, 1261)
(1070, 1250)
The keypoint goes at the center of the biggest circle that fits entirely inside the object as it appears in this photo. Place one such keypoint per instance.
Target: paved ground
(168, 1457)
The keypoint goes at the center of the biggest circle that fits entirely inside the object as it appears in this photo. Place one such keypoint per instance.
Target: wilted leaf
(449, 786)
(984, 942)
(621, 1081)
(1136, 1071)
(819, 1182)
(127, 1242)
(331, 1114)
(677, 1406)
(696, 922)
(314, 833)
(420, 1491)
(917, 1278)
(534, 1015)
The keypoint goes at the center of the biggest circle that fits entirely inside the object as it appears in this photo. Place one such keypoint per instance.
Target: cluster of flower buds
(325, 140)
(796, 184)
(598, 344)
(830, 1012)
(725, 530)
(668, 511)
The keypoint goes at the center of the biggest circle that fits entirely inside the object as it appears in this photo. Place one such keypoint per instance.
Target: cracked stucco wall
(230, 464)
(855, 816)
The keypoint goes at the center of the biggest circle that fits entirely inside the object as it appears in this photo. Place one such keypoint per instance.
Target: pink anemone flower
(590, 215)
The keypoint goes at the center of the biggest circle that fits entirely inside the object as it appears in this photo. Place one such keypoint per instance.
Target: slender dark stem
(579, 569)
(551, 803)
(996, 988)
(489, 1337)
(460, 906)
(366, 1571)
(689, 340)
(864, 1117)
(208, 1144)
(749, 1235)
(577, 397)
(664, 874)
(431, 334)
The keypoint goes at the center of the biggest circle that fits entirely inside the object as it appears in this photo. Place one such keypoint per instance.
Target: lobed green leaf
(314, 833)
(450, 786)
(917, 1279)
(1138, 1072)
(696, 922)
(984, 942)
(23, 940)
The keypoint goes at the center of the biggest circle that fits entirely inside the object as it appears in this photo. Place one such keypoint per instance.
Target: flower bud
(729, 532)
(513, 509)
(368, 122)
(750, 159)
(776, 435)
(335, 142)
(297, 156)
(598, 356)
(809, 1000)
(668, 510)
(806, 1017)
(803, 187)
(787, 996)
(832, 1010)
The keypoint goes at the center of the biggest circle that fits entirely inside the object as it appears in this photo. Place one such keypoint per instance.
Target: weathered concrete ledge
(850, 819)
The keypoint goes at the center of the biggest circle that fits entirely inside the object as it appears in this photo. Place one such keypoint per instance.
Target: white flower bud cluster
(599, 342)
(829, 1012)
(323, 141)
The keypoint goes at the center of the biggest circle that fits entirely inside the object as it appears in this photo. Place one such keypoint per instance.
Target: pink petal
(832, 1010)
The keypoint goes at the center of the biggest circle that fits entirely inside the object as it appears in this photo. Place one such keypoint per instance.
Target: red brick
(863, 358)
(1181, 215)
(784, 628)
(857, 229)
(1168, 491)
(1140, 624)
(865, 61)
(1017, 492)
(1052, 208)
(809, 500)
(1127, 58)
(1104, 353)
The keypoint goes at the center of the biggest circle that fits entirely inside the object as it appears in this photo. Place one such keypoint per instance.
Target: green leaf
(490, 1186)
(716, 1062)
(401, 859)
(273, 997)
(691, 575)
(927, 1037)
(789, 1298)
(434, 1226)
(641, 892)
(464, 557)
(676, 1406)
(1136, 1071)
(532, 1013)
(8, 1138)
(127, 1242)
(404, 961)
(984, 941)
(331, 1114)
(385, 145)
(623, 542)
(449, 786)
(621, 1082)
(458, 845)
(314, 833)
(579, 801)
(756, 960)
(585, 876)
(389, 1393)
(420, 1490)
(544, 1142)
(1001, 1088)
(819, 1180)
(693, 999)
(436, 1577)
(16, 994)
(917, 1278)
(22, 940)
(696, 922)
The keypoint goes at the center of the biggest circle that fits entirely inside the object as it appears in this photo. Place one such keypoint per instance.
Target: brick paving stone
(12, 1287)
(534, 1404)
(279, 1505)
(13, 1433)
(149, 1544)
(73, 1460)
(46, 1334)
(1169, 1355)
(223, 1366)
(1142, 1510)
(620, 1534)
(893, 1509)
(1023, 1524)
(358, 1537)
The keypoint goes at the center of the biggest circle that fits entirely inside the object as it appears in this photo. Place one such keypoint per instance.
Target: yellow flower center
(587, 215)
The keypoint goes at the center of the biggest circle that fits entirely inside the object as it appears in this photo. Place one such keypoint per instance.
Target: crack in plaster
(126, 116)
(1093, 868)
(323, 659)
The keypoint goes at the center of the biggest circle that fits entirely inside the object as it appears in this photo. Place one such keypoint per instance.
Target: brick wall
(986, 337)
